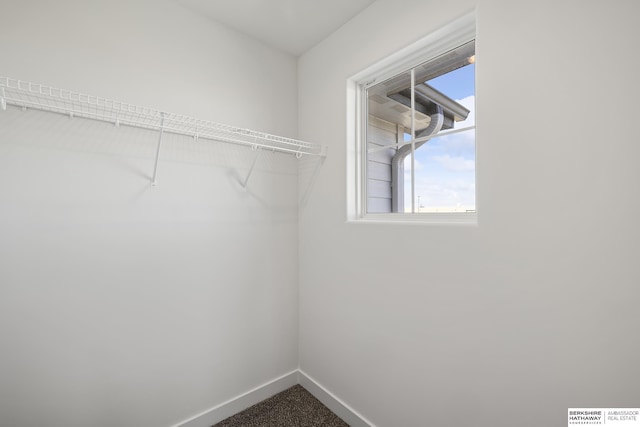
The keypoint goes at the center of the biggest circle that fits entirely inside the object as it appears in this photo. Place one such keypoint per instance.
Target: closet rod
(32, 95)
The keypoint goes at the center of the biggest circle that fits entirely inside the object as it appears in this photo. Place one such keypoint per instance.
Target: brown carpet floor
(294, 407)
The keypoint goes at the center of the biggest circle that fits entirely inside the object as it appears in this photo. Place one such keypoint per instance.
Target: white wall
(123, 304)
(533, 311)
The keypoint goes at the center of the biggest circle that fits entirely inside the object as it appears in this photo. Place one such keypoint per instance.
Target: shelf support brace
(3, 101)
(253, 165)
(154, 182)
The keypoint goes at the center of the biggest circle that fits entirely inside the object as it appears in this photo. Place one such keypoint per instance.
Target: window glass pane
(445, 174)
(441, 176)
(445, 166)
(386, 122)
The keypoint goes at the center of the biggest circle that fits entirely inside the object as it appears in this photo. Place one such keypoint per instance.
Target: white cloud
(446, 194)
(407, 167)
(455, 163)
(439, 193)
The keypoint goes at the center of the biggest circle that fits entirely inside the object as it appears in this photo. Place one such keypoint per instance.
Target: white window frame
(457, 33)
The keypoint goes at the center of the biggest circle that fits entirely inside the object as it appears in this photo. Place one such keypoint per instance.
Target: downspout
(397, 162)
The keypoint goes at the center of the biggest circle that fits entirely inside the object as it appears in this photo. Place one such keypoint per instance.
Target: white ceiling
(293, 26)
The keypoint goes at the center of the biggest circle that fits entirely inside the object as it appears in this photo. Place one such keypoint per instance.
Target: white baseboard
(242, 402)
(328, 399)
(258, 394)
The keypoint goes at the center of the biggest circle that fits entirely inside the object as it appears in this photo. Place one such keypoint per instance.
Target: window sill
(462, 218)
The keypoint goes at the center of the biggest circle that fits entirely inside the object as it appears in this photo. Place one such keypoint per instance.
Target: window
(415, 139)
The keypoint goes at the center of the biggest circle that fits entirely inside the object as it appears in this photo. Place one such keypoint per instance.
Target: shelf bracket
(3, 101)
(255, 159)
(154, 182)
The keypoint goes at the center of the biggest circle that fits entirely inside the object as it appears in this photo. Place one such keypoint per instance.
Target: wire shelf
(41, 97)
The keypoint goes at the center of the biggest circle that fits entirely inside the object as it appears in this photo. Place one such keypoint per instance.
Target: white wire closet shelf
(41, 97)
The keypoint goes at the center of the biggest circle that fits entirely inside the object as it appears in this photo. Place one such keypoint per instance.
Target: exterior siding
(379, 134)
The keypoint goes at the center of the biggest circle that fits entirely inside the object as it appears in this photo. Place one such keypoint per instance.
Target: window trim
(458, 32)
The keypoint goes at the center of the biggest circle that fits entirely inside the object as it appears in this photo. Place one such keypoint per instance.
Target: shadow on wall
(97, 162)
(54, 131)
(308, 171)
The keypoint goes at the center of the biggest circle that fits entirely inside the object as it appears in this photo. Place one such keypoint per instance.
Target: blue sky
(445, 166)
(457, 84)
